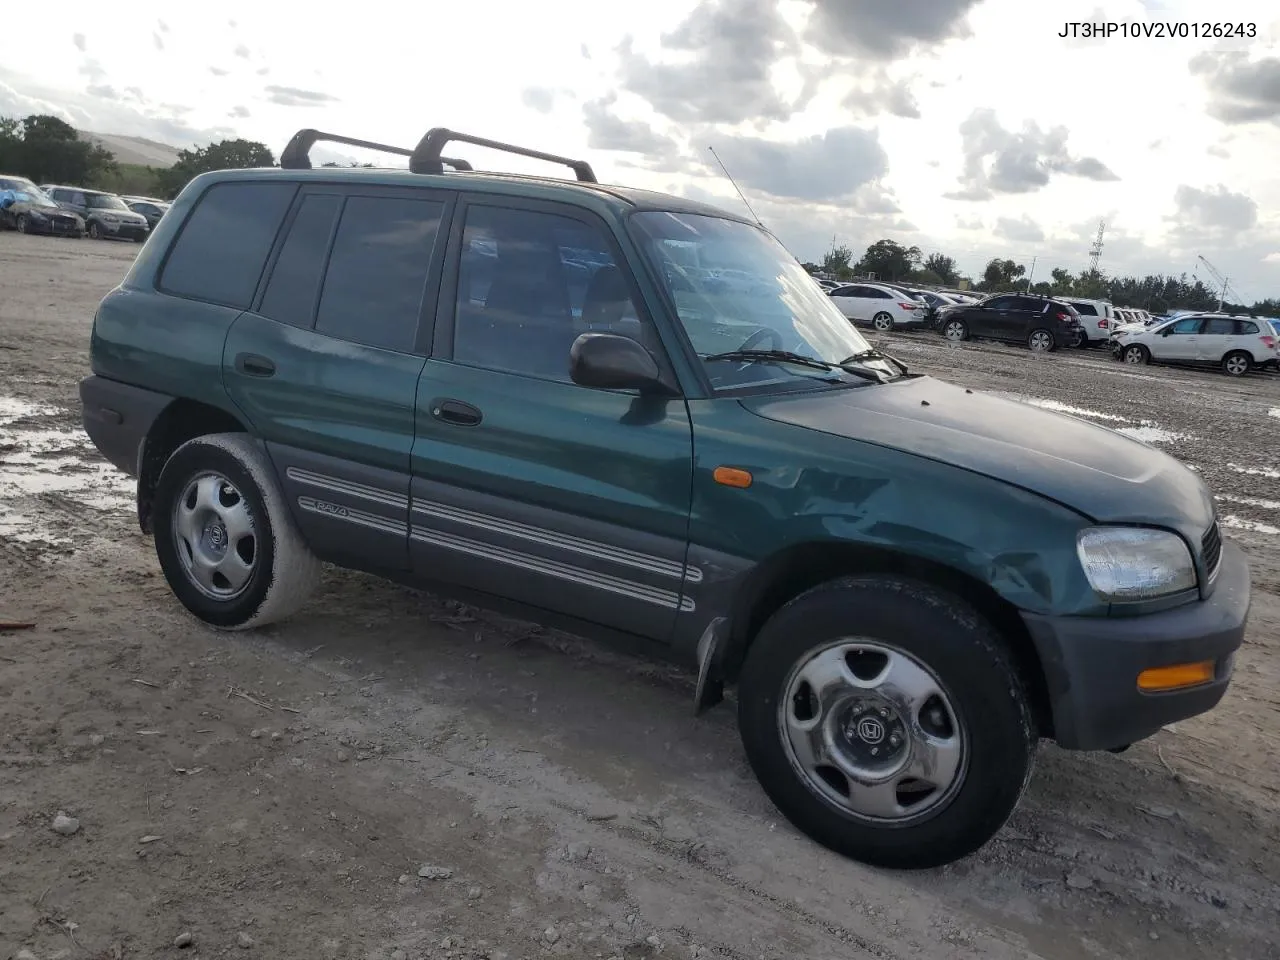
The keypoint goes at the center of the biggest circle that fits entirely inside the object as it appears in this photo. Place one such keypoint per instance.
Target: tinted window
(1085, 309)
(1187, 326)
(1220, 327)
(879, 294)
(865, 293)
(378, 271)
(221, 250)
(1247, 327)
(530, 283)
(1001, 303)
(295, 279)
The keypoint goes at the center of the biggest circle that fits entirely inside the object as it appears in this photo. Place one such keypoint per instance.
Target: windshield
(734, 287)
(101, 201)
(24, 190)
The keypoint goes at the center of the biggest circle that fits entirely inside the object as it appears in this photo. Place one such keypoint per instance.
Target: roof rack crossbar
(427, 159)
(297, 154)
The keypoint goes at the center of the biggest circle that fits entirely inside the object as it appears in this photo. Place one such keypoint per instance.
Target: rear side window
(378, 271)
(1220, 327)
(294, 286)
(1248, 327)
(219, 255)
(1085, 309)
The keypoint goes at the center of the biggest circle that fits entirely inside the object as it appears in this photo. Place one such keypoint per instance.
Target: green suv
(635, 416)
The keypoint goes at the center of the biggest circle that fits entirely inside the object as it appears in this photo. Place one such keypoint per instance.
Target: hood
(1094, 470)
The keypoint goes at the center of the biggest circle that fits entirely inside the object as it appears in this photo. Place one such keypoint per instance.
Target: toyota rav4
(637, 417)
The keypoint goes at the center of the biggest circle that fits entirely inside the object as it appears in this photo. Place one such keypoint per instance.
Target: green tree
(1001, 275)
(836, 262)
(45, 148)
(223, 155)
(888, 260)
(942, 267)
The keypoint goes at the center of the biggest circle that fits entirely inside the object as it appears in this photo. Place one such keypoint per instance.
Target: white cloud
(808, 79)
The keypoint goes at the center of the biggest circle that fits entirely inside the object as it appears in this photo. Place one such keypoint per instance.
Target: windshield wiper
(782, 356)
(874, 354)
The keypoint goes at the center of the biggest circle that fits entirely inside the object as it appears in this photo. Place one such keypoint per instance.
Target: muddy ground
(276, 794)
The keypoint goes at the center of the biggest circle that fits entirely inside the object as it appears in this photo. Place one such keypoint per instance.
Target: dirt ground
(280, 793)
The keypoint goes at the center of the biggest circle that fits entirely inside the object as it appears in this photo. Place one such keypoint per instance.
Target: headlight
(1133, 563)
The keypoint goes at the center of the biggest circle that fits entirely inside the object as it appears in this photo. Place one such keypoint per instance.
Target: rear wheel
(1237, 363)
(224, 537)
(21, 223)
(1136, 353)
(882, 322)
(955, 330)
(1040, 341)
(885, 720)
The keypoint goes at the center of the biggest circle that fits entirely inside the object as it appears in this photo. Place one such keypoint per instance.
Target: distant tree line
(892, 262)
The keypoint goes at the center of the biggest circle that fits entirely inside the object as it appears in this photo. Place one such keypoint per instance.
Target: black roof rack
(297, 154)
(426, 157)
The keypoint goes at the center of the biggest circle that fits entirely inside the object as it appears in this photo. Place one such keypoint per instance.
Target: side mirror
(614, 362)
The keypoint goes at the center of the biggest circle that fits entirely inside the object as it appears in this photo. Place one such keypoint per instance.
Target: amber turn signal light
(732, 477)
(1176, 677)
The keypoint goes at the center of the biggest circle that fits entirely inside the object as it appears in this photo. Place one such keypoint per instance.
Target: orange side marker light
(732, 477)
(1176, 677)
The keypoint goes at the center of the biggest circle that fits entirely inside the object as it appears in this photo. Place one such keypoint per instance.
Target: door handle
(254, 365)
(455, 411)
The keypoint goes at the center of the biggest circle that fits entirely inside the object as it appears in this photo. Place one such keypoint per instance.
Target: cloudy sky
(963, 126)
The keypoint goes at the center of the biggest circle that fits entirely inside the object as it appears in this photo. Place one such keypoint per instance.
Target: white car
(882, 306)
(1236, 344)
(1099, 318)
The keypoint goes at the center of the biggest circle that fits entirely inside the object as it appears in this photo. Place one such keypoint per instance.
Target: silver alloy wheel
(882, 322)
(1041, 341)
(213, 531)
(21, 223)
(1236, 365)
(954, 330)
(1134, 355)
(871, 730)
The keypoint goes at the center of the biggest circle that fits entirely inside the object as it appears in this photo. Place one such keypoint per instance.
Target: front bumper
(1091, 664)
(55, 227)
(126, 231)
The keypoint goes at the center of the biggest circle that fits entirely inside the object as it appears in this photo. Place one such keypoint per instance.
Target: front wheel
(886, 721)
(1136, 354)
(883, 322)
(22, 225)
(1236, 364)
(95, 231)
(955, 331)
(228, 547)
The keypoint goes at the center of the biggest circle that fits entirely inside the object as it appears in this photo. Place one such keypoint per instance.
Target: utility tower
(1095, 252)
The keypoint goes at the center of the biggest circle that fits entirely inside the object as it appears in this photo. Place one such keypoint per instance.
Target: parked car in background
(153, 210)
(1097, 316)
(1236, 344)
(1044, 324)
(881, 305)
(28, 209)
(105, 215)
(933, 302)
(1131, 315)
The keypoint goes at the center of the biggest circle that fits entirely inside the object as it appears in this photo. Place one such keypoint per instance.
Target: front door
(1182, 341)
(325, 366)
(526, 485)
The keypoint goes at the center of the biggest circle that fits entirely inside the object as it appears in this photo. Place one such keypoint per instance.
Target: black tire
(883, 322)
(95, 231)
(1135, 353)
(955, 330)
(1041, 336)
(21, 224)
(969, 661)
(284, 571)
(1237, 363)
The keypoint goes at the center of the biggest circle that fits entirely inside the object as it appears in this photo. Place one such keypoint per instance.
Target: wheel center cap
(869, 730)
(216, 535)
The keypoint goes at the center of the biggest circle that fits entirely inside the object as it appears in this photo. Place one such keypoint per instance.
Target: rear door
(1218, 337)
(325, 364)
(525, 485)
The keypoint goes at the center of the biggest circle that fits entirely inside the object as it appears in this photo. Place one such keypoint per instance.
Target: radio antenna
(729, 177)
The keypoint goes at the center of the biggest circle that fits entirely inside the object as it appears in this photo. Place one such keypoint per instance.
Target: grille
(1211, 549)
